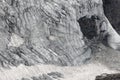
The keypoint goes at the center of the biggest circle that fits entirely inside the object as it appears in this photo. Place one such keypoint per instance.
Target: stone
(108, 77)
(56, 75)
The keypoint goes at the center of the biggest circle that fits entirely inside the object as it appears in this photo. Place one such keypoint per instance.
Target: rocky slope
(43, 31)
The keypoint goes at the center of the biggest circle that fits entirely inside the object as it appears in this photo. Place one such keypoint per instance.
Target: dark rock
(112, 11)
(108, 77)
(88, 27)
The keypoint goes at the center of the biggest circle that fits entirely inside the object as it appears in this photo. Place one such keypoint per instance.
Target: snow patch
(16, 40)
(86, 72)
